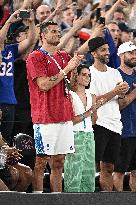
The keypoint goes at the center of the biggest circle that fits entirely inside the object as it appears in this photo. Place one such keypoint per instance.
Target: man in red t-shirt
(51, 106)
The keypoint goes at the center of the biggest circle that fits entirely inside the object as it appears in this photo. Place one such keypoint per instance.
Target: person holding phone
(9, 53)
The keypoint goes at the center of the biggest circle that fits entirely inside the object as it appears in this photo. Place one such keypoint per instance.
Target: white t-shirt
(103, 82)
(79, 109)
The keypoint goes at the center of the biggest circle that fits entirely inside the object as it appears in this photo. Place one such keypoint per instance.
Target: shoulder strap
(44, 51)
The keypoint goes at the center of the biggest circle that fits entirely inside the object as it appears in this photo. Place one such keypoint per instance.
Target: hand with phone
(99, 18)
(102, 20)
(24, 14)
(98, 14)
(27, 16)
(78, 13)
(14, 17)
(98, 30)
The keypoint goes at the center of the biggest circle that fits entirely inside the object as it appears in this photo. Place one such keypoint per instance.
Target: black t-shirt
(21, 85)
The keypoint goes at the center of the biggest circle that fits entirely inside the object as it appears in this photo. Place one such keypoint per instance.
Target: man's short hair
(112, 22)
(120, 10)
(43, 26)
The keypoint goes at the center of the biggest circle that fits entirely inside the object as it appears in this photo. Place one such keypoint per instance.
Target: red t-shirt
(51, 106)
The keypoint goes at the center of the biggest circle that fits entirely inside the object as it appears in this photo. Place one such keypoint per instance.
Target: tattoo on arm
(54, 78)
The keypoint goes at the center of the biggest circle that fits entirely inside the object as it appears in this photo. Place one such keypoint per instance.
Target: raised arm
(109, 13)
(57, 10)
(77, 26)
(5, 28)
(27, 43)
(29, 4)
(98, 31)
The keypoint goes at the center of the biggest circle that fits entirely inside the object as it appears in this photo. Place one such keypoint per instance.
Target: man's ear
(93, 53)
(122, 56)
(17, 38)
(43, 35)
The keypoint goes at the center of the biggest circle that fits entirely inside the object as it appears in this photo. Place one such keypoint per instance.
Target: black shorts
(127, 159)
(107, 144)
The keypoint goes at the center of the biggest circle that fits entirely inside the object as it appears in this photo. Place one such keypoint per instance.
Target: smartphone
(98, 14)
(78, 13)
(24, 14)
(102, 20)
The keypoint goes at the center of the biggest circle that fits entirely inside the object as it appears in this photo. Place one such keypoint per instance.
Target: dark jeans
(7, 123)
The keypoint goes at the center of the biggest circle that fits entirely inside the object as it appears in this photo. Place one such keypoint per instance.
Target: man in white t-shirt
(109, 86)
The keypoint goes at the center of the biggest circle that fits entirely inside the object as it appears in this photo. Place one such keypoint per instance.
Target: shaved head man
(42, 13)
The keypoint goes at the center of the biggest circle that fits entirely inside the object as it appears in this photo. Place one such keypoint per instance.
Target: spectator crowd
(68, 86)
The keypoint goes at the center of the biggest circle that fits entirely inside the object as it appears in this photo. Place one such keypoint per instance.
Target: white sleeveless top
(79, 109)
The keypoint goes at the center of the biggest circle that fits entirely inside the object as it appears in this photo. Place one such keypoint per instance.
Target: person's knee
(132, 180)
(40, 163)
(133, 174)
(107, 167)
(133, 177)
(57, 162)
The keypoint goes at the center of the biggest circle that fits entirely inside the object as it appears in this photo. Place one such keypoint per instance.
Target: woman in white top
(79, 168)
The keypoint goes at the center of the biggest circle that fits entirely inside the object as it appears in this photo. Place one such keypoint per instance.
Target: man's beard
(104, 59)
(129, 64)
(52, 42)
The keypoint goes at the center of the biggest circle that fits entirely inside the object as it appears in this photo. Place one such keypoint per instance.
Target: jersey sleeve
(37, 65)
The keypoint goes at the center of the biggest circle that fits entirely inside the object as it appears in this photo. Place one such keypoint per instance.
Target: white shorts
(54, 138)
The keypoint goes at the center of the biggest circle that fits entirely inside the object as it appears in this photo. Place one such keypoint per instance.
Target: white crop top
(79, 109)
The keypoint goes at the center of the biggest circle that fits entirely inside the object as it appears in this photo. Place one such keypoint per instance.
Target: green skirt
(79, 167)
